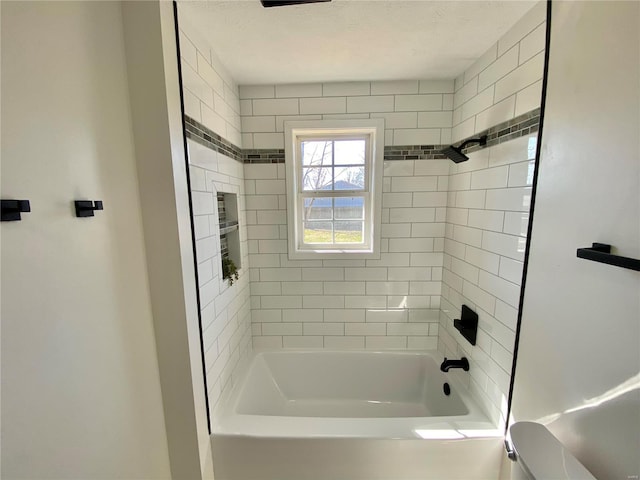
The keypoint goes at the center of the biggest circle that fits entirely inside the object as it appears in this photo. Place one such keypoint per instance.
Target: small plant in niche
(229, 270)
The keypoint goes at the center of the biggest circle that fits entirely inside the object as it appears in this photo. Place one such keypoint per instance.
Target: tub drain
(447, 389)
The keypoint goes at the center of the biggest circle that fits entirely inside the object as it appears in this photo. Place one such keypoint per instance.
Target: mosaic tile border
(201, 134)
(503, 132)
(263, 155)
(522, 125)
(414, 152)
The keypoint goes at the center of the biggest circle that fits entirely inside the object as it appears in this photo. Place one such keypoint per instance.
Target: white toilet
(538, 455)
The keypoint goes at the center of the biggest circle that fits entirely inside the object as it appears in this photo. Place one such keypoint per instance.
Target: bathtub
(333, 415)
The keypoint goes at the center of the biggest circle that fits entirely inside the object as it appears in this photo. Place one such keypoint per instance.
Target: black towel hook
(85, 208)
(11, 209)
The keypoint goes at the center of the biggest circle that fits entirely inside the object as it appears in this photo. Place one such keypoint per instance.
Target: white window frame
(373, 131)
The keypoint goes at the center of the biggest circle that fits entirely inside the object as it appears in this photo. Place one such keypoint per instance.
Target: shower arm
(482, 141)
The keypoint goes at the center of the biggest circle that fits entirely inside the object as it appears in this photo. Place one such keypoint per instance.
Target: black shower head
(455, 153)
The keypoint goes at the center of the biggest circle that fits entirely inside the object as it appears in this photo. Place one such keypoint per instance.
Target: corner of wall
(487, 207)
(506, 81)
(150, 47)
(210, 92)
(224, 308)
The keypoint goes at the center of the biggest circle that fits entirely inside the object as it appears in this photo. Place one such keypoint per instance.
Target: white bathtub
(330, 415)
(349, 394)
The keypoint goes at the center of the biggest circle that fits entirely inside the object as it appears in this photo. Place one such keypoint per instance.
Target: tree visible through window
(333, 191)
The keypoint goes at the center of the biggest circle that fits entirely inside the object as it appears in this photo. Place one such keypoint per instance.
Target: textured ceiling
(351, 39)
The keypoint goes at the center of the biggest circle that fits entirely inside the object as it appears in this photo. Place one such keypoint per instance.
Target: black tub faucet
(463, 363)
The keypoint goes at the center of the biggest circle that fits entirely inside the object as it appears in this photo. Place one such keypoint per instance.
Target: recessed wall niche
(230, 258)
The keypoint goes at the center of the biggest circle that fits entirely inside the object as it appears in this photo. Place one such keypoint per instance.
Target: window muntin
(334, 221)
(333, 185)
(334, 180)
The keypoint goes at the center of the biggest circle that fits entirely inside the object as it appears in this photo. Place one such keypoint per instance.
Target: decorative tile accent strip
(503, 132)
(263, 155)
(201, 134)
(413, 152)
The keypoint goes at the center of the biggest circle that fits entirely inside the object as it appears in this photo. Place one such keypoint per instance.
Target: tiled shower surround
(225, 309)
(451, 234)
(387, 303)
(488, 206)
(416, 112)
(505, 82)
(469, 218)
(485, 235)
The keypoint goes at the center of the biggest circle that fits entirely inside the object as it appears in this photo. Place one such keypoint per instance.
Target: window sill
(334, 255)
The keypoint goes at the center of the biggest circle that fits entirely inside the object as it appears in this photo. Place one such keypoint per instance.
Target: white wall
(488, 207)
(485, 237)
(80, 385)
(416, 112)
(210, 93)
(506, 81)
(154, 94)
(387, 303)
(394, 302)
(225, 309)
(391, 303)
(579, 355)
(211, 98)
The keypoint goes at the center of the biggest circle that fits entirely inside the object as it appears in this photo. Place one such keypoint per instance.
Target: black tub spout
(463, 363)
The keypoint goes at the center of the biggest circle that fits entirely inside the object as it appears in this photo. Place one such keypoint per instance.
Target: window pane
(317, 209)
(349, 208)
(349, 232)
(349, 152)
(318, 232)
(316, 152)
(349, 178)
(317, 178)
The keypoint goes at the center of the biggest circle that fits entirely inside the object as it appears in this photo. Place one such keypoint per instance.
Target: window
(334, 183)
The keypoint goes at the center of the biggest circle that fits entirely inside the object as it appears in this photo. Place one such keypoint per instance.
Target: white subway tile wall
(390, 303)
(210, 93)
(451, 234)
(506, 81)
(415, 112)
(225, 310)
(483, 255)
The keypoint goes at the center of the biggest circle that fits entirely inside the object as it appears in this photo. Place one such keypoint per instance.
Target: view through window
(334, 190)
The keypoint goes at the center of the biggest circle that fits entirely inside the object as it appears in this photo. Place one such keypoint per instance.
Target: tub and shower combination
(351, 415)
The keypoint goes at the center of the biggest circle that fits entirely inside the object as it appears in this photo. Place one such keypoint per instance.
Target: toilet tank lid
(542, 455)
